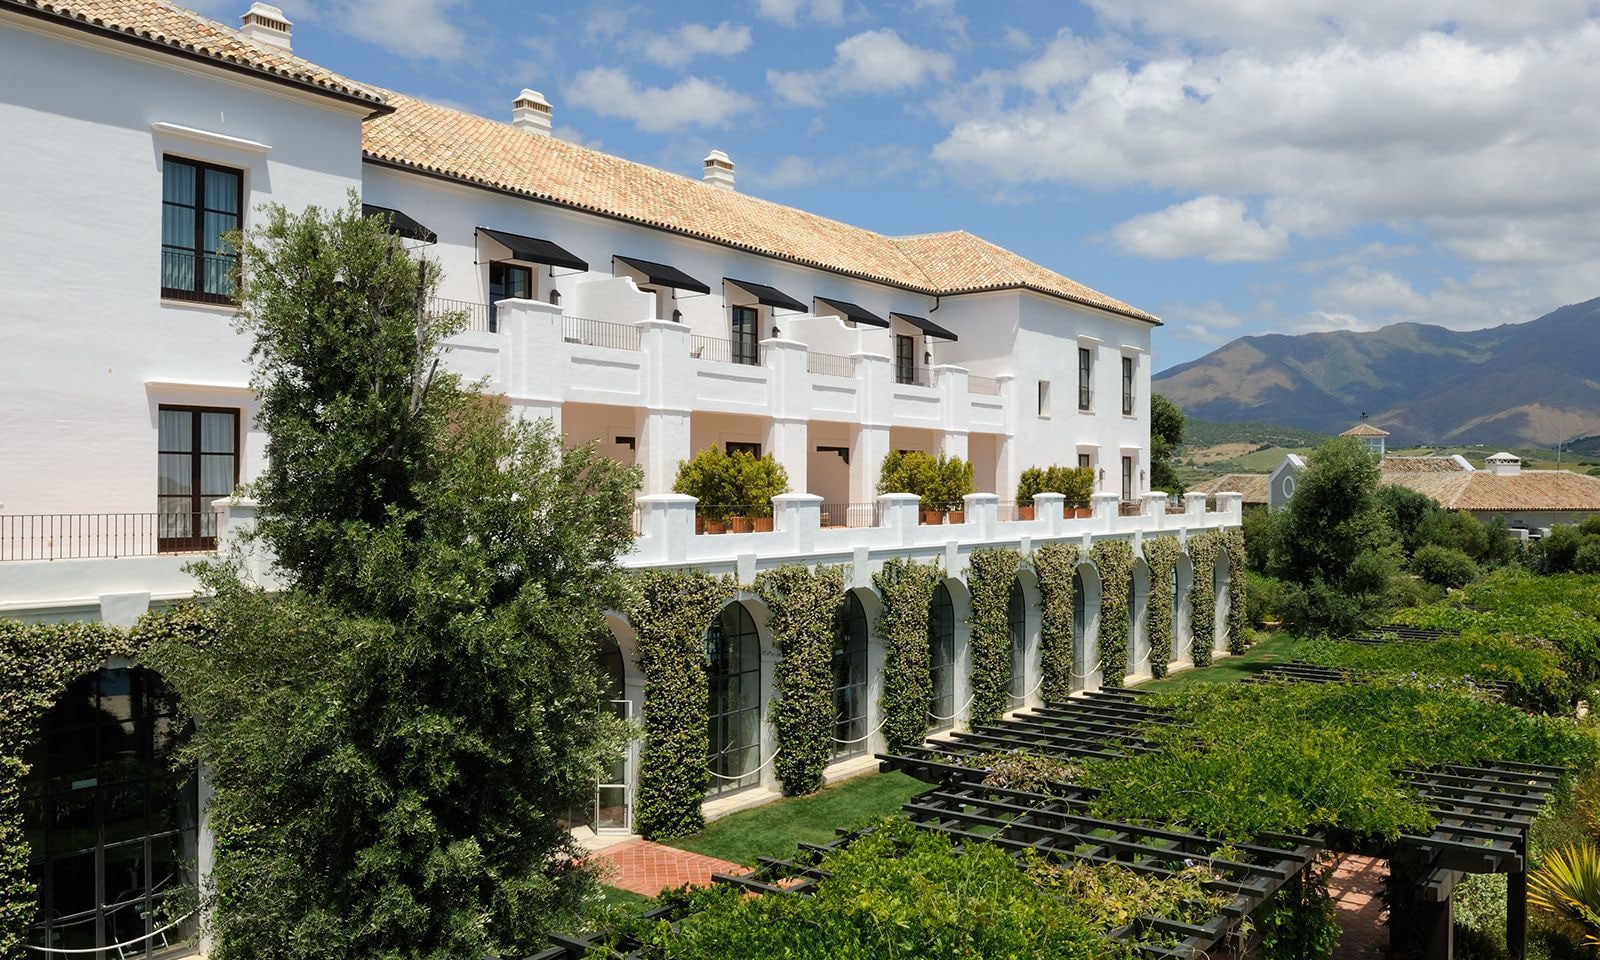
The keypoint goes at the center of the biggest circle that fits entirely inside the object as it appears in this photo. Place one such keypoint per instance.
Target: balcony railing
(914, 376)
(600, 333)
(986, 386)
(850, 515)
(723, 351)
(82, 536)
(479, 317)
(830, 364)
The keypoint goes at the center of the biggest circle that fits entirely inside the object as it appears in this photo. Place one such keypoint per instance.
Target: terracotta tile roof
(443, 141)
(1364, 430)
(1529, 490)
(162, 24)
(1421, 465)
(1252, 485)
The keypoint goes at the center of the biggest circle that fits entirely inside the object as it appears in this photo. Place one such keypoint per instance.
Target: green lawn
(1276, 647)
(773, 830)
(622, 899)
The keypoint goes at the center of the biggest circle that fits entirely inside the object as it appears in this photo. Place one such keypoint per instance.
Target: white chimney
(1504, 465)
(531, 112)
(267, 24)
(719, 170)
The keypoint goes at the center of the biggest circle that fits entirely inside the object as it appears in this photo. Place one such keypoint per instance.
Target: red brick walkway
(649, 868)
(1357, 889)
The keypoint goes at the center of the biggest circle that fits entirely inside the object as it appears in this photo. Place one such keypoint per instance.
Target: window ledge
(229, 309)
(207, 136)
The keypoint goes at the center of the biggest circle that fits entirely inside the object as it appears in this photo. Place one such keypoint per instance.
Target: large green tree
(1166, 432)
(395, 738)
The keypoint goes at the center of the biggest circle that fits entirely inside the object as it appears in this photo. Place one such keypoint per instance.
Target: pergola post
(1517, 905)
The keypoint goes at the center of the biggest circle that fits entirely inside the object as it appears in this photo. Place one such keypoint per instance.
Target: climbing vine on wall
(1114, 561)
(906, 588)
(1161, 555)
(804, 605)
(990, 576)
(670, 612)
(1055, 564)
(37, 664)
(1203, 549)
(1238, 607)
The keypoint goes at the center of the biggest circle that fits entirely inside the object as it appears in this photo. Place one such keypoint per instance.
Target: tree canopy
(1166, 432)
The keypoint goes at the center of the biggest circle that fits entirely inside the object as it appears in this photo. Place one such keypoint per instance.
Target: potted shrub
(1077, 484)
(912, 471)
(1032, 483)
(708, 477)
(955, 482)
(756, 480)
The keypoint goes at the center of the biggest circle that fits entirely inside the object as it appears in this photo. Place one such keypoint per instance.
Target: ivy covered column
(1055, 564)
(804, 605)
(906, 588)
(990, 576)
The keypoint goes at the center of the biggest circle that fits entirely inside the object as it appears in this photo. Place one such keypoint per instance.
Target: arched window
(850, 679)
(733, 673)
(942, 659)
(111, 827)
(1179, 628)
(613, 808)
(1133, 625)
(1017, 621)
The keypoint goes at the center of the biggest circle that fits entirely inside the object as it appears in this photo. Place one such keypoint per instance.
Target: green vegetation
(774, 829)
(1273, 648)
(1075, 483)
(1534, 672)
(991, 576)
(804, 603)
(940, 481)
(1166, 434)
(906, 588)
(1207, 433)
(731, 484)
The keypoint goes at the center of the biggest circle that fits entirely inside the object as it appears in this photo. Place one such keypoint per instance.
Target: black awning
(534, 250)
(399, 224)
(770, 296)
(927, 326)
(855, 312)
(662, 275)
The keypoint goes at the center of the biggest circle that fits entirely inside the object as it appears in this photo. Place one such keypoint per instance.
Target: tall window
(1080, 631)
(1085, 461)
(905, 358)
(197, 462)
(1127, 478)
(1017, 621)
(507, 281)
(1085, 378)
(942, 660)
(746, 334)
(111, 826)
(733, 673)
(850, 680)
(199, 203)
(1127, 386)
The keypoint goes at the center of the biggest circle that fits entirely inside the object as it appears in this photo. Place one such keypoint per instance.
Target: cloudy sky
(1236, 166)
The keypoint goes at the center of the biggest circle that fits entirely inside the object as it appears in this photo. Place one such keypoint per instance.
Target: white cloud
(1209, 323)
(791, 12)
(873, 62)
(604, 24)
(867, 165)
(1219, 229)
(414, 29)
(1016, 39)
(691, 40)
(692, 101)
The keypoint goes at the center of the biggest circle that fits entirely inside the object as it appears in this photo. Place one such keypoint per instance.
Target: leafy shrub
(1113, 559)
(1075, 483)
(1534, 672)
(1161, 555)
(907, 591)
(955, 481)
(1587, 558)
(1055, 564)
(1444, 566)
(1265, 598)
(1408, 513)
(1590, 527)
(803, 603)
(1258, 536)
(1021, 770)
(728, 484)
(939, 481)
(991, 574)
(1555, 553)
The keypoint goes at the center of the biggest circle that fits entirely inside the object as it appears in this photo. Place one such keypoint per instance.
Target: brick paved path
(649, 868)
(1357, 889)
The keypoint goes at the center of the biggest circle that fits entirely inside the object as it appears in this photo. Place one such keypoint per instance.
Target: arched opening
(942, 659)
(1182, 634)
(112, 829)
(1138, 621)
(1220, 577)
(733, 677)
(613, 805)
(1080, 632)
(850, 679)
(1017, 625)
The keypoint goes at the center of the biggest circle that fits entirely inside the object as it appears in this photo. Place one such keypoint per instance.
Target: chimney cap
(531, 98)
(719, 170)
(266, 23)
(717, 158)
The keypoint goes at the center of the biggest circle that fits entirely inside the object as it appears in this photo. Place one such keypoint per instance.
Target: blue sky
(1232, 166)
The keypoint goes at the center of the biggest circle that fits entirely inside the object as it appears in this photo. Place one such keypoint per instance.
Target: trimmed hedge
(990, 576)
(1161, 556)
(804, 604)
(1055, 564)
(1238, 591)
(906, 588)
(670, 612)
(1203, 549)
(1113, 560)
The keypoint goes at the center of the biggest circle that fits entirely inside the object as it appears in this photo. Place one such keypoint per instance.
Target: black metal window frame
(744, 334)
(850, 680)
(1085, 378)
(742, 446)
(202, 523)
(498, 288)
(1017, 627)
(905, 358)
(172, 253)
(942, 660)
(1127, 386)
(1127, 478)
(734, 699)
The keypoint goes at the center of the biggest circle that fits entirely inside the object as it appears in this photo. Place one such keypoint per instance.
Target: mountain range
(1520, 384)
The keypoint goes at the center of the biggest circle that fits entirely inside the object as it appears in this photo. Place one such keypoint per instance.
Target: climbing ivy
(670, 612)
(990, 576)
(906, 588)
(1161, 555)
(1203, 549)
(804, 604)
(1055, 564)
(37, 664)
(1238, 605)
(1113, 559)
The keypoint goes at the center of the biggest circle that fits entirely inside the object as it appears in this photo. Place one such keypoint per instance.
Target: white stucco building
(653, 312)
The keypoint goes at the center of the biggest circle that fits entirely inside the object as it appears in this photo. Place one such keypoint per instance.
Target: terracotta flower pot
(933, 518)
(956, 516)
(699, 525)
(1081, 512)
(716, 526)
(739, 524)
(1025, 513)
(762, 524)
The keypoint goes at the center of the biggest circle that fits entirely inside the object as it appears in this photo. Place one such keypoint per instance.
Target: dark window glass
(733, 673)
(850, 680)
(1085, 378)
(744, 334)
(1044, 398)
(739, 446)
(942, 660)
(1084, 461)
(197, 463)
(1080, 632)
(1017, 621)
(507, 281)
(199, 204)
(1127, 385)
(905, 358)
(1127, 478)
(112, 833)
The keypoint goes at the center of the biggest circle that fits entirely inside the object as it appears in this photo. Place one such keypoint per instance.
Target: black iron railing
(82, 536)
(600, 333)
(724, 351)
(830, 364)
(480, 318)
(914, 376)
(850, 515)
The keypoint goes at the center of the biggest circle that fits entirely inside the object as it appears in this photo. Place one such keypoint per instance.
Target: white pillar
(788, 442)
(799, 516)
(983, 512)
(869, 444)
(1194, 504)
(1231, 503)
(869, 435)
(954, 444)
(1105, 508)
(898, 512)
(662, 430)
(1050, 507)
(662, 442)
(667, 520)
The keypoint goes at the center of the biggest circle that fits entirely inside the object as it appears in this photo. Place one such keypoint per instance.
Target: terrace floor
(1357, 889)
(646, 868)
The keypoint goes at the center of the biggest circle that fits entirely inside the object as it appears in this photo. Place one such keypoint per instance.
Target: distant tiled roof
(1529, 490)
(1364, 430)
(1421, 465)
(1252, 485)
(162, 24)
(451, 143)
